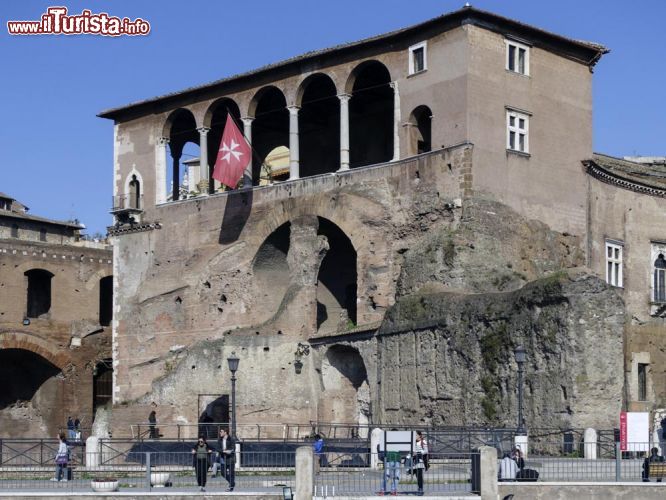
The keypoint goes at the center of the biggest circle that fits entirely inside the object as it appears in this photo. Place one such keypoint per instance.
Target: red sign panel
(623, 431)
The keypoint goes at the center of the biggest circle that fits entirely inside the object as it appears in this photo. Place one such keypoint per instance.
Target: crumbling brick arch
(270, 268)
(29, 342)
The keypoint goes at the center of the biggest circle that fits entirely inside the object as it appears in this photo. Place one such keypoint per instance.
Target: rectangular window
(517, 57)
(418, 60)
(517, 128)
(614, 263)
(42, 234)
(642, 381)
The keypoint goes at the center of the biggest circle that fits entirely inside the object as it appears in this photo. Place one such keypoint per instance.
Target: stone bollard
(92, 452)
(489, 490)
(590, 444)
(304, 473)
(376, 438)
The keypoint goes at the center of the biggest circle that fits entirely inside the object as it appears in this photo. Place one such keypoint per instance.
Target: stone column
(203, 159)
(175, 177)
(304, 473)
(344, 131)
(489, 490)
(247, 131)
(294, 167)
(160, 169)
(396, 121)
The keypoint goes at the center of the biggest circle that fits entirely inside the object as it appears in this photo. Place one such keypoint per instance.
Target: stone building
(436, 215)
(55, 312)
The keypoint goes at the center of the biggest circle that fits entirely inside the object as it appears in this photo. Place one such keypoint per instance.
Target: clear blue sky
(57, 156)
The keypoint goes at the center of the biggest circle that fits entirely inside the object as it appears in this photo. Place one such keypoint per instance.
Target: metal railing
(126, 202)
(350, 474)
(25, 452)
(266, 472)
(564, 467)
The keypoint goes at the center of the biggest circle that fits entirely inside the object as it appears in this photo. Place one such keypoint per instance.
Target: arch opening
(420, 135)
(183, 141)
(39, 292)
(371, 115)
(215, 119)
(336, 281)
(134, 192)
(271, 269)
(319, 127)
(270, 127)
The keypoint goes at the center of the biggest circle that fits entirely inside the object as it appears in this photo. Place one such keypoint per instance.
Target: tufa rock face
(447, 358)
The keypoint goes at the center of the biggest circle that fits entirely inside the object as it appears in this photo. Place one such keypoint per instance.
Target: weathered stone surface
(447, 358)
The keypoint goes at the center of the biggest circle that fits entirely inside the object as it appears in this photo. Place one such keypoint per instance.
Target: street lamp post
(520, 355)
(233, 366)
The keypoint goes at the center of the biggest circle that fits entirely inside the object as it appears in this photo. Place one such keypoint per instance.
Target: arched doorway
(270, 127)
(420, 125)
(346, 394)
(336, 281)
(319, 126)
(370, 115)
(39, 292)
(32, 394)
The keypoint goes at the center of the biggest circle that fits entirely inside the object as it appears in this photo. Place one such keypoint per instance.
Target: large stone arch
(36, 345)
(181, 128)
(270, 127)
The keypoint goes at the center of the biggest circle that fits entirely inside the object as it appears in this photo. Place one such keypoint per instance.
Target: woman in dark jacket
(201, 454)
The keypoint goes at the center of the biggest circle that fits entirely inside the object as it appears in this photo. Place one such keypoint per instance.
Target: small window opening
(15, 231)
(106, 300)
(642, 381)
(39, 292)
(42, 234)
(660, 279)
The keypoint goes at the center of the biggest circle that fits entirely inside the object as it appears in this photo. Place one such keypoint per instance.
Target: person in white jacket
(61, 459)
(508, 468)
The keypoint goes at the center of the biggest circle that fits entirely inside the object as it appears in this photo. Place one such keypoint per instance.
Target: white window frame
(518, 47)
(412, 49)
(614, 263)
(657, 249)
(518, 131)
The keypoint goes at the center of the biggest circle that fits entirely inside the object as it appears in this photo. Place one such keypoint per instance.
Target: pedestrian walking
(71, 429)
(653, 458)
(201, 454)
(61, 459)
(77, 429)
(420, 449)
(318, 448)
(152, 422)
(226, 446)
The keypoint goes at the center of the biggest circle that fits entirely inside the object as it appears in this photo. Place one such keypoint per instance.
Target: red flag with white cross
(233, 156)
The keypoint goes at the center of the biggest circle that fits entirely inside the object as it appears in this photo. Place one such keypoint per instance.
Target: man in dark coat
(226, 447)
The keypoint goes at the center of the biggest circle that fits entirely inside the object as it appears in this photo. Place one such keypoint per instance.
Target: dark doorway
(213, 414)
(102, 384)
(421, 124)
(39, 292)
(106, 300)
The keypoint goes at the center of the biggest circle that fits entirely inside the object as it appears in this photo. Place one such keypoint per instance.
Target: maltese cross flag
(233, 156)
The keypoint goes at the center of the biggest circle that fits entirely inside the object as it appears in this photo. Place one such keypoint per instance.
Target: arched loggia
(215, 120)
(318, 125)
(370, 114)
(181, 129)
(270, 127)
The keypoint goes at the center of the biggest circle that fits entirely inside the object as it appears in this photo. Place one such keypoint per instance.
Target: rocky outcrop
(447, 358)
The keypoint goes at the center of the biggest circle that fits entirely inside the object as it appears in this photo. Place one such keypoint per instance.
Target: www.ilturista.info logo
(56, 22)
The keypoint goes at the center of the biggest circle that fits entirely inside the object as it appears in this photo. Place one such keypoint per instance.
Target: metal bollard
(618, 462)
(148, 471)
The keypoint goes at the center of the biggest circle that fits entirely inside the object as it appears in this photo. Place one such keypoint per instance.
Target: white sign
(638, 431)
